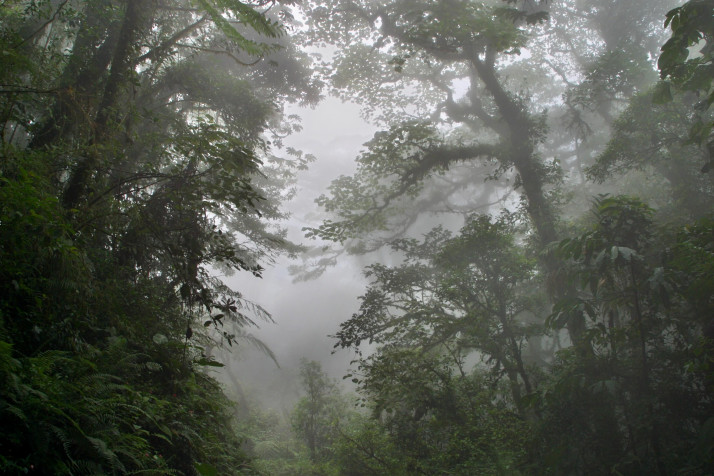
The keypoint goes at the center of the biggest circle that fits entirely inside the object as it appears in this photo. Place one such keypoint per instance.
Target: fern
(243, 14)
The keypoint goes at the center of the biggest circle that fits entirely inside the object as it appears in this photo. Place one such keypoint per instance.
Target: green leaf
(208, 362)
(246, 15)
(204, 469)
(160, 339)
(700, 79)
(153, 366)
(662, 93)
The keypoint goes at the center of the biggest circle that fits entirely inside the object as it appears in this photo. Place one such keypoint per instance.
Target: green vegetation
(546, 200)
(135, 159)
(559, 330)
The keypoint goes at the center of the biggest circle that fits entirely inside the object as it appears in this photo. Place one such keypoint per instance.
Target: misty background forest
(357, 237)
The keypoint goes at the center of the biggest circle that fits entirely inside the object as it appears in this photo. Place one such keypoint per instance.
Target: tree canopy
(540, 179)
(520, 120)
(137, 159)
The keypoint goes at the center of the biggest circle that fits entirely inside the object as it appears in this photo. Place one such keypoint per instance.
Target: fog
(357, 237)
(306, 313)
(473, 193)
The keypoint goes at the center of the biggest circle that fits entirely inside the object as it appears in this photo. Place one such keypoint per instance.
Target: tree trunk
(81, 79)
(521, 138)
(120, 73)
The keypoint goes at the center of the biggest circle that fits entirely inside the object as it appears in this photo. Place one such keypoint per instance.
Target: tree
(692, 29)
(136, 159)
(443, 79)
(154, 169)
(437, 415)
(460, 40)
(642, 333)
(450, 322)
(652, 139)
(457, 294)
(317, 416)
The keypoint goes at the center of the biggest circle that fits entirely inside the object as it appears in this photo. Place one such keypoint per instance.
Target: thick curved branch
(430, 160)
(168, 43)
(443, 157)
(510, 110)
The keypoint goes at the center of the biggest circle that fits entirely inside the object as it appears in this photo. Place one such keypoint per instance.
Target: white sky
(307, 312)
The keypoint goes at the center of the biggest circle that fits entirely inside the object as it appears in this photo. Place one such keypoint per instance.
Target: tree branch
(26, 90)
(164, 46)
(42, 27)
(221, 52)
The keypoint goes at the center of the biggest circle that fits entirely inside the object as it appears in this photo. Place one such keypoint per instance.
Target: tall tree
(316, 417)
(136, 160)
(457, 294)
(460, 102)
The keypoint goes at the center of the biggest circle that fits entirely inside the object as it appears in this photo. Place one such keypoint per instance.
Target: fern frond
(106, 453)
(63, 439)
(261, 346)
(14, 410)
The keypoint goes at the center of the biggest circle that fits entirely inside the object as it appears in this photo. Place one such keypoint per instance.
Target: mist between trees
(513, 243)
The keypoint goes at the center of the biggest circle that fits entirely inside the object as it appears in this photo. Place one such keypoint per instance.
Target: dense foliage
(565, 328)
(135, 161)
(541, 179)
